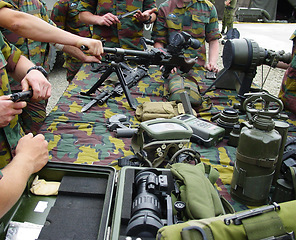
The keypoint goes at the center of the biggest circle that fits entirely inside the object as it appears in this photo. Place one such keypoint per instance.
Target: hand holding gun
(21, 96)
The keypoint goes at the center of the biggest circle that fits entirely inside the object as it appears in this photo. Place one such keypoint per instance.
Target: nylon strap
(261, 162)
(293, 175)
(196, 233)
(263, 226)
(247, 183)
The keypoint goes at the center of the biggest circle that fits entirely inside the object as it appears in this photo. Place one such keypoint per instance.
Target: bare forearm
(21, 69)
(88, 18)
(32, 27)
(213, 51)
(74, 52)
(12, 185)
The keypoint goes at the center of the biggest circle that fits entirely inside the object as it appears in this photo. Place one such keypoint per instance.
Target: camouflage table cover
(83, 138)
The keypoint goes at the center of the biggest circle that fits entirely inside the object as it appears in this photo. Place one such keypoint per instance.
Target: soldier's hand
(33, 151)
(40, 85)
(142, 17)
(212, 67)
(9, 109)
(91, 46)
(107, 20)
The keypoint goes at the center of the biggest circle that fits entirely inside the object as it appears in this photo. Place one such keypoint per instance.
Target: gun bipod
(118, 69)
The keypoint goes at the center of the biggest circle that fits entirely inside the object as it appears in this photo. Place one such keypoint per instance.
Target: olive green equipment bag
(195, 188)
(276, 221)
(152, 110)
(179, 84)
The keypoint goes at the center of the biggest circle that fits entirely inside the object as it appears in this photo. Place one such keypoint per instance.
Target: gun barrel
(122, 51)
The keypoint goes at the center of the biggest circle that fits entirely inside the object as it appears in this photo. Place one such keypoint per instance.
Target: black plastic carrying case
(92, 204)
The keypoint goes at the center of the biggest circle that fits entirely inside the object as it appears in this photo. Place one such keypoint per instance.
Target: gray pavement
(273, 36)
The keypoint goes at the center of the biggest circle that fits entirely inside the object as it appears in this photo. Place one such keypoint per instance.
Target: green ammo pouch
(267, 222)
(196, 189)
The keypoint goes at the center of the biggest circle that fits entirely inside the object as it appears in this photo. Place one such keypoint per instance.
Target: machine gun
(172, 56)
(131, 77)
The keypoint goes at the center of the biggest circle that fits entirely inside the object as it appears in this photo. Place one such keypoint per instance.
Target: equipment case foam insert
(81, 210)
(87, 206)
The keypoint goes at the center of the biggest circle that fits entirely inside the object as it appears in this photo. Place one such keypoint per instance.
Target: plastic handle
(265, 99)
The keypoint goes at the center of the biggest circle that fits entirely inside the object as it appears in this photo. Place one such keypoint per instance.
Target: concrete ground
(272, 36)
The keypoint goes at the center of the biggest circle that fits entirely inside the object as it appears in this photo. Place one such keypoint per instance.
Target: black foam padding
(128, 195)
(79, 202)
(83, 185)
(71, 224)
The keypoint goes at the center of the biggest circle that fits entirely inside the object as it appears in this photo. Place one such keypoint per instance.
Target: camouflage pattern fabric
(227, 21)
(83, 138)
(10, 134)
(36, 51)
(181, 84)
(65, 15)
(125, 34)
(34, 114)
(199, 19)
(72, 65)
(288, 88)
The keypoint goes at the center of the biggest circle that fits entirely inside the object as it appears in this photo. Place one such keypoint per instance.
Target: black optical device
(149, 208)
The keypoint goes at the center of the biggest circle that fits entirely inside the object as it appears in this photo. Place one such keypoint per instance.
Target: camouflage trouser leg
(33, 114)
(227, 21)
(72, 68)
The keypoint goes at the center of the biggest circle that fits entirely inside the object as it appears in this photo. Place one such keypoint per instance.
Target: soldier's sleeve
(44, 13)
(11, 54)
(87, 6)
(5, 4)
(59, 13)
(148, 4)
(233, 3)
(293, 35)
(212, 29)
(160, 31)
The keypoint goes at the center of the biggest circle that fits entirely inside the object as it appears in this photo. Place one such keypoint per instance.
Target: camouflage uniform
(10, 134)
(65, 16)
(227, 21)
(34, 114)
(37, 52)
(125, 34)
(199, 19)
(288, 88)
